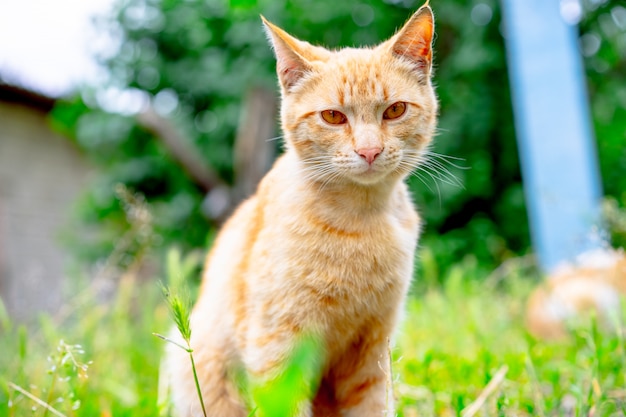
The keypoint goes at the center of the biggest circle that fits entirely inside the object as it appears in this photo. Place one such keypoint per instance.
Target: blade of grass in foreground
(180, 309)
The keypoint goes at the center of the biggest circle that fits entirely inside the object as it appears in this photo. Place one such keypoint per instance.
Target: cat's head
(362, 115)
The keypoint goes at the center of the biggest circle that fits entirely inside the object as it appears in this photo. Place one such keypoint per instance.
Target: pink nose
(369, 154)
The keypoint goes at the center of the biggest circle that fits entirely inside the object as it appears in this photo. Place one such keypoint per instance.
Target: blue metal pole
(558, 157)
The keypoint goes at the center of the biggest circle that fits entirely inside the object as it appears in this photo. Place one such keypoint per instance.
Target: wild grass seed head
(179, 305)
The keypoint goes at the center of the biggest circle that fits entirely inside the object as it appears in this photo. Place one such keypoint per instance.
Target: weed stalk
(179, 308)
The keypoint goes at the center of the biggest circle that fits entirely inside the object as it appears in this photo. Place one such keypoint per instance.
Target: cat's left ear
(293, 56)
(414, 40)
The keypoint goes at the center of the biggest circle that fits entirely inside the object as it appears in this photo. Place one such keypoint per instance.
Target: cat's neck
(351, 196)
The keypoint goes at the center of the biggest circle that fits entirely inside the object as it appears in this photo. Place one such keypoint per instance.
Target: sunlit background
(49, 46)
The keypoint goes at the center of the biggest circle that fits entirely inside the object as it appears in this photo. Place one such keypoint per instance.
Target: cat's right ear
(291, 64)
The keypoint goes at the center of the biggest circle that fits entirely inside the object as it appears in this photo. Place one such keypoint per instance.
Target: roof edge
(20, 95)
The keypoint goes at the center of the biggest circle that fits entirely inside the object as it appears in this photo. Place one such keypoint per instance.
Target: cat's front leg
(302, 407)
(365, 391)
(265, 359)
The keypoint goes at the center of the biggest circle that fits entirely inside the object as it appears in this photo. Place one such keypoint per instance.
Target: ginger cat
(326, 245)
(595, 282)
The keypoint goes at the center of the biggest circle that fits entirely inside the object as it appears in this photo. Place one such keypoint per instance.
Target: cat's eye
(395, 110)
(334, 117)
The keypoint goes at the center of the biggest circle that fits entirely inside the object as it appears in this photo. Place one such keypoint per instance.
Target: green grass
(455, 338)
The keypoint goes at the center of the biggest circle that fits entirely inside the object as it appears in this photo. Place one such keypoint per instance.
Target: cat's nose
(369, 154)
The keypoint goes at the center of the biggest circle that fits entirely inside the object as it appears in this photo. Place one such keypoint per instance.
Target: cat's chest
(364, 255)
(356, 278)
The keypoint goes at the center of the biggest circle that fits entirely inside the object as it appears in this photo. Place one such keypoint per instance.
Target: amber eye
(334, 117)
(395, 110)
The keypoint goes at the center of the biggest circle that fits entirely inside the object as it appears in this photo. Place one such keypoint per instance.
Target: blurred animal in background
(593, 284)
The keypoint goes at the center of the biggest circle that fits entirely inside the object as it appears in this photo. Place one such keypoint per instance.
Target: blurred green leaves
(294, 385)
(603, 45)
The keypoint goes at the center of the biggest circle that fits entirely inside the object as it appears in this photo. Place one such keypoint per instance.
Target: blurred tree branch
(180, 149)
(253, 152)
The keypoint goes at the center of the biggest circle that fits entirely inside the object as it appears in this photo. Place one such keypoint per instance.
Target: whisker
(419, 176)
(443, 156)
(434, 182)
(315, 159)
(447, 158)
(435, 175)
(443, 173)
(432, 164)
(443, 179)
(329, 179)
(442, 169)
(319, 169)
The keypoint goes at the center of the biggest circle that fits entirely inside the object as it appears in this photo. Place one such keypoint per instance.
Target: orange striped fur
(326, 244)
(596, 282)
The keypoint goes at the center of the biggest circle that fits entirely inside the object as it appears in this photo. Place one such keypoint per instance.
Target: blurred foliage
(195, 60)
(603, 44)
(615, 217)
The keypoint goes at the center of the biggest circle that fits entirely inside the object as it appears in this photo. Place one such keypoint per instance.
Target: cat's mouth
(369, 174)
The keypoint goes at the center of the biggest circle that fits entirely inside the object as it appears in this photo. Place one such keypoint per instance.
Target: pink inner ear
(290, 69)
(414, 40)
(289, 65)
(420, 54)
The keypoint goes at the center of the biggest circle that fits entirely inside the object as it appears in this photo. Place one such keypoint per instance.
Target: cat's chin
(371, 177)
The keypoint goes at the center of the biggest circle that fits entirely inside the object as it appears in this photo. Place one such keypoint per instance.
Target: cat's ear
(293, 56)
(414, 40)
